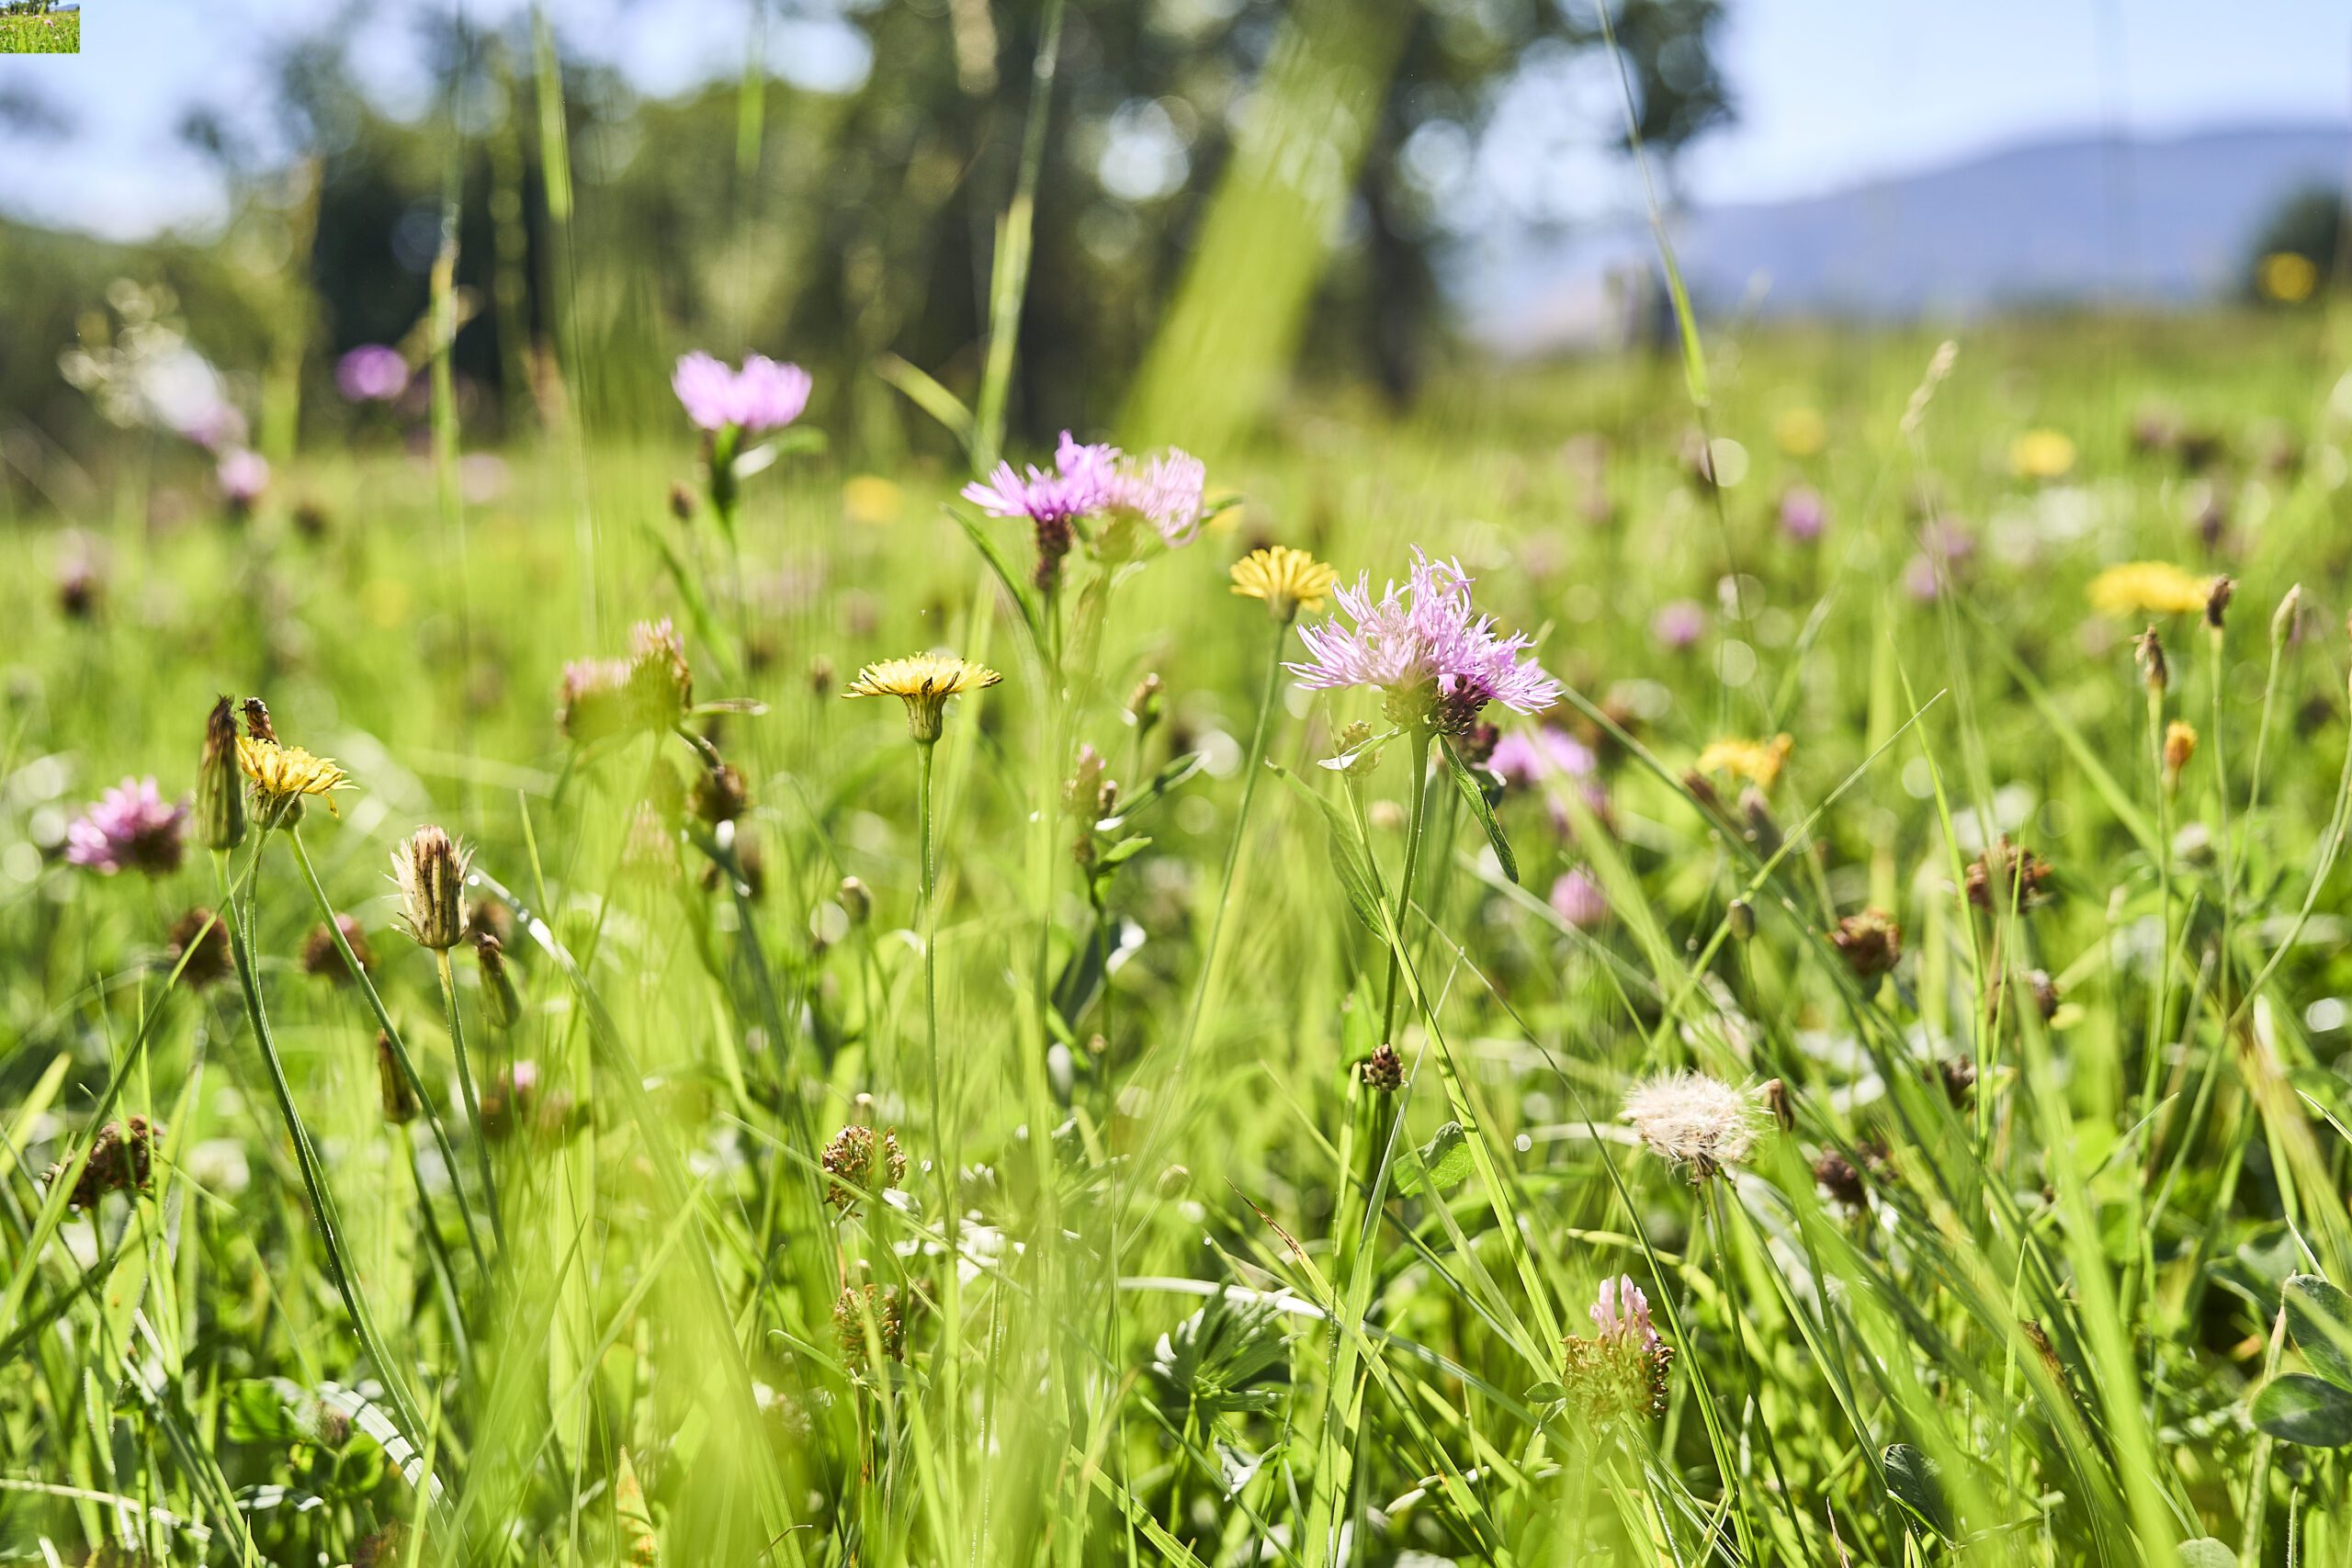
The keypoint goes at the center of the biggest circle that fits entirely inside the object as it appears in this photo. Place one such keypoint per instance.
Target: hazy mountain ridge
(2074, 217)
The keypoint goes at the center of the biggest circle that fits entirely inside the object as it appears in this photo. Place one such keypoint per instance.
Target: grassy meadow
(2007, 1239)
(42, 35)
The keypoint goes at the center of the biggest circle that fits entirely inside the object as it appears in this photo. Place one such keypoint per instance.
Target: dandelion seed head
(1690, 1119)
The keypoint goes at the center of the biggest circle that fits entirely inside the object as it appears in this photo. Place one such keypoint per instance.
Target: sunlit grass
(1173, 1277)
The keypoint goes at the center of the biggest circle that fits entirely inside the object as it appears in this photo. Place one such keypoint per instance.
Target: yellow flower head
(923, 682)
(282, 775)
(1802, 432)
(2042, 454)
(2149, 587)
(1758, 761)
(2287, 276)
(1289, 580)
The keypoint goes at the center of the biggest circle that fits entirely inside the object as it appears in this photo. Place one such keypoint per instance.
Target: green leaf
(2300, 1408)
(1347, 858)
(1912, 1481)
(2319, 1317)
(1475, 795)
(1023, 600)
(928, 395)
(2207, 1552)
(1441, 1163)
(1545, 1393)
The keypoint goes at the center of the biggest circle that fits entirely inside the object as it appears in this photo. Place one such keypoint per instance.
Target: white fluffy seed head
(1692, 1120)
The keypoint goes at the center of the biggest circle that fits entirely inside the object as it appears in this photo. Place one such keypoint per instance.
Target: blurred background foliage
(829, 227)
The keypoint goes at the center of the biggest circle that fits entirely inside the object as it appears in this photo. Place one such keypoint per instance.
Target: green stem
(306, 1157)
(1421, 741)
(400, 1048)
(1251, 767)
(473, 1102)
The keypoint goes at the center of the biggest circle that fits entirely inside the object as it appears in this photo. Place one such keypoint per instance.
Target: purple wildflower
(1679, 624)
(241, 475)
(372, 373)
(1803, 513)
(1436, 660)
(1081, 482)
(1165, 491)
(763, 395)
(1623, 1313)
(1923, 579)
(1528, 759)
(131, 826)
(1577, 899)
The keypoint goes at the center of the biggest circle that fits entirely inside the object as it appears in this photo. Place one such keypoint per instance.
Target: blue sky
(1831, 91)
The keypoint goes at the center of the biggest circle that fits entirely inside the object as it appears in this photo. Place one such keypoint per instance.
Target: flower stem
(1251, 767)
(473, 1102)
(323, 1213)
(1421, 742)
(400, 1048)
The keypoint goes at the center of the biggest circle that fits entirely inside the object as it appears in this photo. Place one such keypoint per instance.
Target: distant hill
(2072, 218)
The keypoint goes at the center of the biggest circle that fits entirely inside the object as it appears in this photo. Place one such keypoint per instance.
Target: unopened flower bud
(2283, 620)
(501, 1002)
(219, 786)
(1384, 1070)
(431, 871)
(1740, 916)
(2180, 745)
(855, 900)
(1175, 1182)
(1870, 943)
(391, 1083)
(1147, 703)
(721, 793)
(2148, 651)
(2217, 601)
(1776, 1100)
(682, 502)
(1762, 831)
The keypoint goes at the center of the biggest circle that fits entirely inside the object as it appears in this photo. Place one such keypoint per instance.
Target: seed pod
(391, 1083)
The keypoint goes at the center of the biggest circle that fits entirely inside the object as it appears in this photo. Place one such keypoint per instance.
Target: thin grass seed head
(923, 682)
(1287, 580)
(284, 775)
(430, 869)
(1692, 1119)
(220, 787)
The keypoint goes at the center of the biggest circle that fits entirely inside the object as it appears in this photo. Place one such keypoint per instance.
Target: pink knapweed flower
(1436, 660)
(130, 826)
(763, 395)
(372, 373)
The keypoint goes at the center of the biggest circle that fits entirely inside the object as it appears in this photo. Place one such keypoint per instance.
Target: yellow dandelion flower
(2287, 278)
(923, 682)
(1801, 431)
(1289, 580)
(282, 775)
(1758, 761)
(2149, 587)
(2042, 454)
(870, 499)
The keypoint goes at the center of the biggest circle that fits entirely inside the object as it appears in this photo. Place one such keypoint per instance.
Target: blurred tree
(834, 225)
(2299, 250)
